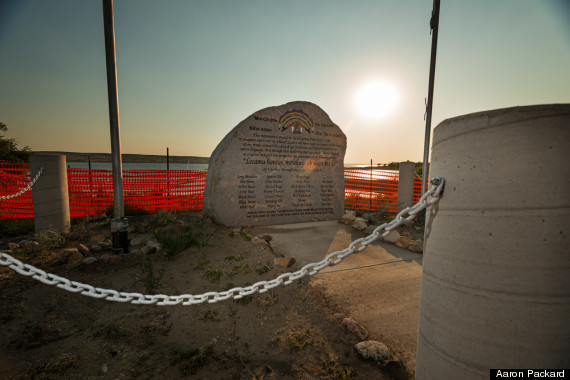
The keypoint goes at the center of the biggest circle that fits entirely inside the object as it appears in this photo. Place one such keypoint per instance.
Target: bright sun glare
(375, 100)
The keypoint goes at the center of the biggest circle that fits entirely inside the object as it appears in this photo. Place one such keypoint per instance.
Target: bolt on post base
(120, 235)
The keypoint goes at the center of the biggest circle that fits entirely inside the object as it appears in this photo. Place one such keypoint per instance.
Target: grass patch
(46, 240)
(150, 279)
(162, 218)
(298, 339)
(262, 270)
(233, 258)
(175, 239)
(156, 328)
(16, 227)
(269, 299)
(56, 366)
(210, 315)
(341, 373)
(213, 275)
(204, 263)
(191, 360)
(245, 236)
(241, 268)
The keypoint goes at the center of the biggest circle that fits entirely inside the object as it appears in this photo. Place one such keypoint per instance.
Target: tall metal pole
(434, 24)
(119, 223)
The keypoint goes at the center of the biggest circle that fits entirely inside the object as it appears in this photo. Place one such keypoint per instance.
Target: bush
(175, 239)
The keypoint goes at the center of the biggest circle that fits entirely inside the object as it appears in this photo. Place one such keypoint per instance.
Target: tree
(9, 150)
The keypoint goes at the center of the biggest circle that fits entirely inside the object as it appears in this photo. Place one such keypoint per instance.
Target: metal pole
(434, 24)
(370, 203)
(119, 223)
(167, 159)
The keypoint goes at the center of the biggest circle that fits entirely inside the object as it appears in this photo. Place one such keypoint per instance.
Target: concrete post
(406, 185)
(49, 193)
(495, 288)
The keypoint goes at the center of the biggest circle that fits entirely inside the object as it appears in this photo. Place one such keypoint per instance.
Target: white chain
(235, 293)
(39, 173)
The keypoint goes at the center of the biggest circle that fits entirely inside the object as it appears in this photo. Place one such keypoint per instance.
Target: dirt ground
(290, 332)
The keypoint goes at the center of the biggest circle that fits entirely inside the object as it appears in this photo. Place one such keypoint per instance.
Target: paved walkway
(379, 287)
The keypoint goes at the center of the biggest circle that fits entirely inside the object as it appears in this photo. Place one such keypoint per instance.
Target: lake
(138, 166)
(152, 166)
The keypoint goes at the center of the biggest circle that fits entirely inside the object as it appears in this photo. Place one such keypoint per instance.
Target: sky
(189, 71)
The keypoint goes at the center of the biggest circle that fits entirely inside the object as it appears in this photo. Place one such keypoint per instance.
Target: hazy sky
(189, 71)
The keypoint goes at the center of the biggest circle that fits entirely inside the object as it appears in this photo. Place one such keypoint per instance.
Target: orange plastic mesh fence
(13, 178)
(91, 191)
(373, 190)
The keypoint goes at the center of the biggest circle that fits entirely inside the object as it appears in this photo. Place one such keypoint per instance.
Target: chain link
(311, 269)
(28, 187)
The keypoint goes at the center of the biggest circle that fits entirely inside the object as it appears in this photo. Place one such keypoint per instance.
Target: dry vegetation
(290, 332)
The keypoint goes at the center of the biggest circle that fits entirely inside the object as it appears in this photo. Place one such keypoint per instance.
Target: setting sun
(375, 100)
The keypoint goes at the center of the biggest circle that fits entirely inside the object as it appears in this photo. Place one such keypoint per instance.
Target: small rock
(372, 350)
(13, 246)
(404, 241)
(284, 261)
(104, 244)
(66, 252)
(150, 241)
(83, 249)
(370, 228)
(267, 238)
(392, 236)
(416, 246)
(135, 242)
(355, 328)
(89, 260)
(105, 257)
(157, 247)
(75, 260)
(406, 233)
(115, 259)
(258, 240)
(359, 224)
(148, 249)
(135, 251)
(24, 243)
(96, 248)
(349, 216)
(104, 368)
(350, 212)
(348, 222)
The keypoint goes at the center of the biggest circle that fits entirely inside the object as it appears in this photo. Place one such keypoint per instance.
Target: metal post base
(120, 235)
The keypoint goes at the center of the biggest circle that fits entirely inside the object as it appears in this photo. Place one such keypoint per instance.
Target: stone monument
(281, 165)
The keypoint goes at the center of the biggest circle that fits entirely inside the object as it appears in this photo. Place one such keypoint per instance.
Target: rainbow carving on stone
(296, 120)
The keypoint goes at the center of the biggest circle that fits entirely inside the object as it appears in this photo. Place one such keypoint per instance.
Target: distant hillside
(130, 158)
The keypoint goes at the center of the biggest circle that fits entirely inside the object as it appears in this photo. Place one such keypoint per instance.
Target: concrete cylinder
(49, 193)
(406, 185)
(496, 286)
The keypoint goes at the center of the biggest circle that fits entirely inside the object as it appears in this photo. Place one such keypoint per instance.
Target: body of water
(162, 166)
(138, 166)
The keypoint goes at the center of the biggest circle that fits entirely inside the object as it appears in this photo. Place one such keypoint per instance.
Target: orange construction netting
(91, 191)
(13, 178)
(372, 190)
